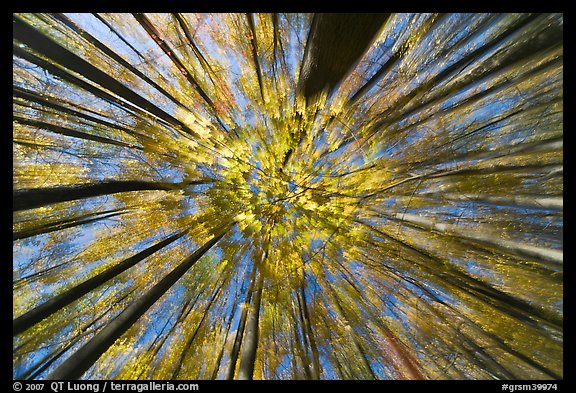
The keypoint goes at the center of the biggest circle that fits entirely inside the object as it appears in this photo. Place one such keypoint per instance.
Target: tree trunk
(241, 326)
(493, 90)
(35, 197)
(65, 224)
(458, 280)
(190, 340)
(70, 132)
(251, 25)
(393, 60)
(250, 341)
(552, 168)
(58, 104)
(539, 202)
(547, 145)
(335, 44)
(300, 346)
(155, 35)
(444, 76)
(516, 248)
(349, 330)
(52, 50)
(113, 55)
(84, 358)
(399, 113)
(315, 369)
(402, 360)
(49, 307)
(223, 349)
(182, 315)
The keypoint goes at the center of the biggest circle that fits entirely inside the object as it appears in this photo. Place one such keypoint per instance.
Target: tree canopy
(287, 196)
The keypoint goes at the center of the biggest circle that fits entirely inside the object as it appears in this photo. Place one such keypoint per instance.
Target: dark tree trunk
(335, 44)
(392, 61)
(35, 197)
(109, 52)
(300, 346)
(218, 361)
(241, 326)
(64, 224)
(250, 342)
(70, 132)
(460, 280)
(84, 358)
(44, 363)
(155, 35)
(348, 327)
(190, 340)
(49, 307)
(46, 46)
(310, 333)
(251, 24)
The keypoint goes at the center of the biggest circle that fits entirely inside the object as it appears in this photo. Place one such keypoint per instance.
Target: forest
(287, 196)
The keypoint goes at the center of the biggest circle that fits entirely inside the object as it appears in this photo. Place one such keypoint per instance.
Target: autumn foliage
(287, 196)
